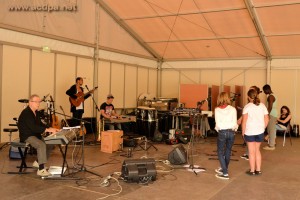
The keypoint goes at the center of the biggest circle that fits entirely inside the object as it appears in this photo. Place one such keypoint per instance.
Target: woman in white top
(226, 124)
(255, 120)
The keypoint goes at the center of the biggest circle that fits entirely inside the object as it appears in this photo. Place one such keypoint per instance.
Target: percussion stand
(191, 166)
(144, 144)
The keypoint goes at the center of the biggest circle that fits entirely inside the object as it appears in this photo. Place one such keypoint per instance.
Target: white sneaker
(35, 164)
(219, 171)
(43, 173)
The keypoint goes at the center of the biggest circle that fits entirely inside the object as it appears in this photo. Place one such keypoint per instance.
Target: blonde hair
(223, 99)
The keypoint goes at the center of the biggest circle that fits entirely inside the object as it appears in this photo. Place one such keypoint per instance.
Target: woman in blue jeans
(226, 125)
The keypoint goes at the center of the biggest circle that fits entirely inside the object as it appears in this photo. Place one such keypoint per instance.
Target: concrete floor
(280, 178)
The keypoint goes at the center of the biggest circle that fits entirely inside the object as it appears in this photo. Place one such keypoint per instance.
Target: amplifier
(139, 170)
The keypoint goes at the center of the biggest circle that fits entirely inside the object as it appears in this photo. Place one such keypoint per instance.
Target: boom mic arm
(203, 101)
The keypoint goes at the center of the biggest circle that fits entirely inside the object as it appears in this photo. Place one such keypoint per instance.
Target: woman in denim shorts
(255, 120)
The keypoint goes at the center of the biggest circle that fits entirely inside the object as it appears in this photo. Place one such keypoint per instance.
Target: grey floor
(280, 178)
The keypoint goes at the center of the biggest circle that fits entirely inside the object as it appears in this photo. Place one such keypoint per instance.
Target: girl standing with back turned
(226, 124)
(255, 120)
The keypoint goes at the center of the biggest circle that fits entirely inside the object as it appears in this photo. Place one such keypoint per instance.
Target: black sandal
(250, 173)
(257, 172)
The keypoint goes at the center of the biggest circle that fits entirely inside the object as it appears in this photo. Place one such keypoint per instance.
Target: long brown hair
(252, 94)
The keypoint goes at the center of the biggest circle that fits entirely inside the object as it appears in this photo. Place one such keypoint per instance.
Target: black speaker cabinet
(139, 170)
(90, 124)
(178, 156)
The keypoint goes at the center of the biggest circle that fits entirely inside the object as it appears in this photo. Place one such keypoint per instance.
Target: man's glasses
(36, 101)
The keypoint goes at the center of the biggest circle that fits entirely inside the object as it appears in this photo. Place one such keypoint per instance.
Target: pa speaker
(178, 156)
(139, 170)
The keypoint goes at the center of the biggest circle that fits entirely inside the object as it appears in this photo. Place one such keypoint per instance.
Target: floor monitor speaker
(139, 170)
(178, 156)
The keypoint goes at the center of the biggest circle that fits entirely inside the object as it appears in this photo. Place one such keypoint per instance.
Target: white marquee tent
(129, 47)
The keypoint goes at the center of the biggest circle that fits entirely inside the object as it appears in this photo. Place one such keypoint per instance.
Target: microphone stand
(191, 167)
(97, 108)
(83, 168)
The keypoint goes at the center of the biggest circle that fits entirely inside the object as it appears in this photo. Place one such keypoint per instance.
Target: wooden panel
(190, 94)
(15, 86)
(214, 96)
(226, 88)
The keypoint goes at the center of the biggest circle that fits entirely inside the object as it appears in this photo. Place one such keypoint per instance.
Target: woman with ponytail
(255, 120)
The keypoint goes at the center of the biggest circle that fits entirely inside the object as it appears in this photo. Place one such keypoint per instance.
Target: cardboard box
(111, 140)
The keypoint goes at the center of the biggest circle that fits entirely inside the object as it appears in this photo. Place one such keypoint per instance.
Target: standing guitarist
(77, 98)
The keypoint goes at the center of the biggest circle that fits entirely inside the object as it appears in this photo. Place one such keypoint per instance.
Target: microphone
(87, 87)
(202, 101)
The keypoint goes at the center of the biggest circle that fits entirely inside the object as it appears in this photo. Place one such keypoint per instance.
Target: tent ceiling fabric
(170, 30)
(212, 29)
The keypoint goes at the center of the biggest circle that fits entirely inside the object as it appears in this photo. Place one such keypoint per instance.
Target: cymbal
(23, 100)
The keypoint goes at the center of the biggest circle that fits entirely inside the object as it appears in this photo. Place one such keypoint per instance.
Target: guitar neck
(89, 92)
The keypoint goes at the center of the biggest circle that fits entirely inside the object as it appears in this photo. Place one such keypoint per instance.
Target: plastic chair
(288, 130)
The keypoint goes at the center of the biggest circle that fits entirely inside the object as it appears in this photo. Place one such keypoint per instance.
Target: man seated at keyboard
(31, 129)
(107, 112)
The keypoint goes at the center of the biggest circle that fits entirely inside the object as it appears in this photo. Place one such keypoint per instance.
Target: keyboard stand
(65, 164)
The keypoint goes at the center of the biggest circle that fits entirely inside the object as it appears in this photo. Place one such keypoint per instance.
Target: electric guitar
(80, 97)
(54, 118)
